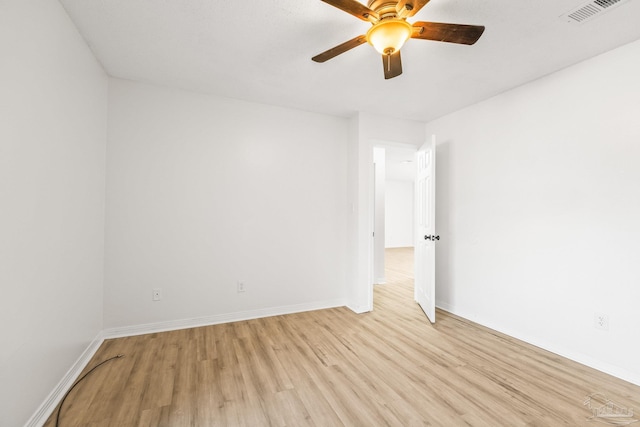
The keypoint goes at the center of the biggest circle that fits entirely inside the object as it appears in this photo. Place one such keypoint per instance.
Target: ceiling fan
(390, 30)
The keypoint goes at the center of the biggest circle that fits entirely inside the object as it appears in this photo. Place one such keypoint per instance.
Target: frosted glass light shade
(388, 35)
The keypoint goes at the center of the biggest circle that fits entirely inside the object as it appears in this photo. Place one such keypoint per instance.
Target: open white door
(425, 228)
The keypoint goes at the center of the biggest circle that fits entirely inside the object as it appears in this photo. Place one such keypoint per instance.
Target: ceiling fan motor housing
(384, 8)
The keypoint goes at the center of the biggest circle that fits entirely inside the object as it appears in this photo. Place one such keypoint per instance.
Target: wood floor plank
(335, 368)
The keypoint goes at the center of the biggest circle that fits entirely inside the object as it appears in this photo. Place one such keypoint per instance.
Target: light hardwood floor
(332, 367)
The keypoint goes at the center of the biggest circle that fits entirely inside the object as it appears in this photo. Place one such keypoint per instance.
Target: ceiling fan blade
(354, 8)
(407, 8)
(392, 65)
(341, 48)
(451, 33)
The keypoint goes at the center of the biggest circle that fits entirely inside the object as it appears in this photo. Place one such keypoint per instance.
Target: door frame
(376, 143)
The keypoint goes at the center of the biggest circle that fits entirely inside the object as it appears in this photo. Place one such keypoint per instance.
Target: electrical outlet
(601, 321)
(240, 286)
(156, 294)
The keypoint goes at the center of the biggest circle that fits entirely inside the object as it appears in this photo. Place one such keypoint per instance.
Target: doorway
(393, 216)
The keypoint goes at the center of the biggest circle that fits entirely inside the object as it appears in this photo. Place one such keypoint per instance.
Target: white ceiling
(261, 50)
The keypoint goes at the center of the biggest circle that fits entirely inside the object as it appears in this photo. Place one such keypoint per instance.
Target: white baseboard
(359, 309)
(51, 402)
(599, 365)
(172, 325)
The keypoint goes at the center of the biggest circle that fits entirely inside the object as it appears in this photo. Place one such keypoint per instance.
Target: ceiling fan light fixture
(390, 30)
(388, 35)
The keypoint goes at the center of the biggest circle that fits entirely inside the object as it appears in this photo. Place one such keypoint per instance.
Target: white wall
(399, 213)
(52, 163)
(205, 191)
(538, 205)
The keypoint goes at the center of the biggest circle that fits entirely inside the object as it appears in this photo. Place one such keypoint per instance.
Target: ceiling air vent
(591, 10)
